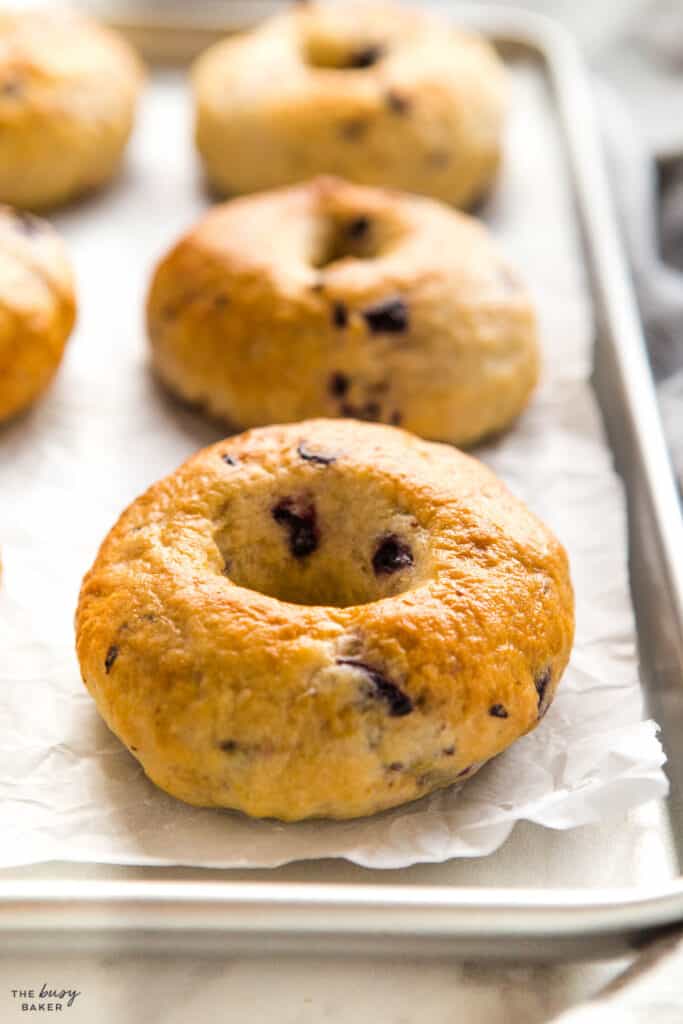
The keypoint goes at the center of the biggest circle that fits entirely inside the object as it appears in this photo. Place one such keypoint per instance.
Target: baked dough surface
(331, 299)
(37, 308)
(326, 618)
(378, 94)
(68, 91)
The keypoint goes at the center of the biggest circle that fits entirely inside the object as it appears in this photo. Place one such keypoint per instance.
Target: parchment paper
(68, 788)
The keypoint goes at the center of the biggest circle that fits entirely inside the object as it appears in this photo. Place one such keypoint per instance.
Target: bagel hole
(357, 236)
(335, 53)
(378, 552)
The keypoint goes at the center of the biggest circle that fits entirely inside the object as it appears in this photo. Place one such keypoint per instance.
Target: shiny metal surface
(533, 899)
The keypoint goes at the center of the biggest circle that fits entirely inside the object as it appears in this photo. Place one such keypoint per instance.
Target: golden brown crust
(37, 308)
(231, 696)
(270, 310)
(377, 94)
(68, 90)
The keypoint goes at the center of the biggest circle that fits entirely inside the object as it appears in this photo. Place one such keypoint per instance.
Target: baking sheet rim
(493, 913)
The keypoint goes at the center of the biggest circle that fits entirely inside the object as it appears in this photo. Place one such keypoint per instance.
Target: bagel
(37, 308)
(327, 618)
(330, 299)
(380, 95)
(68, 90)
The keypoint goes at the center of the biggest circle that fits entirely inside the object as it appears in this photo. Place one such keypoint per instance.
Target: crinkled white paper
(68, 788)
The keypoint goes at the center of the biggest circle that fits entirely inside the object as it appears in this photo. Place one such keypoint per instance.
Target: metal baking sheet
(592, 893)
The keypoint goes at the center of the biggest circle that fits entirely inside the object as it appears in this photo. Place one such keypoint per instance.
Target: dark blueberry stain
(229, 746)
(299, 518)
(340, 315)
(465, 771)
(448, 751)
(397, 102)
(439, 158)
(387, 317)
(396, 418)
(370, 411)
(366, 56)
(358, 228)
(392, 555)
(309, 456)
(353, 130)
(230, 460)
(541, 683)
(339, 384)
(112, 655)
(498, 711)
(169, 311)
(13, 88)
(399, 703)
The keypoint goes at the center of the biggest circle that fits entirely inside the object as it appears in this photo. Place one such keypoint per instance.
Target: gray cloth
(644, 147)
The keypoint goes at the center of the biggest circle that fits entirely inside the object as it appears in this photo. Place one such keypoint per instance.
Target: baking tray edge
(428, 920)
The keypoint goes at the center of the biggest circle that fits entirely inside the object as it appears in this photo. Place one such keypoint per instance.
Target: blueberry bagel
(330, 299)
(376, 93)
(37, 308)
(324, 619)
(68, 89)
